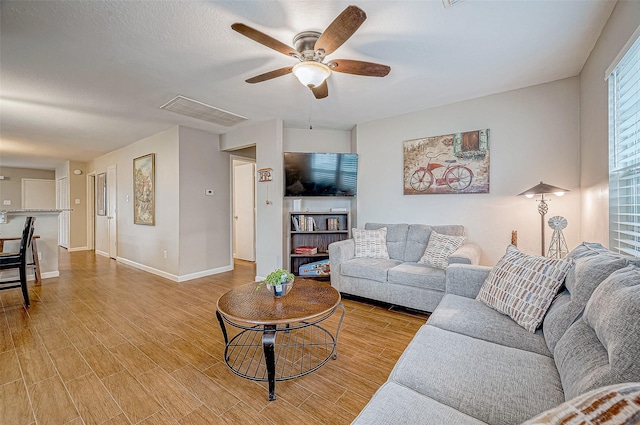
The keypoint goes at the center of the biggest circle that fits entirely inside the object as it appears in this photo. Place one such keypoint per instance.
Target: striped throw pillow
(612, 405)
(523, 286)
(371, 243)
(439, 248)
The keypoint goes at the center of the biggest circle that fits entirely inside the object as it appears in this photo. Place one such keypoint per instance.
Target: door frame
(112, 210)
(91, 211)
(244, 159)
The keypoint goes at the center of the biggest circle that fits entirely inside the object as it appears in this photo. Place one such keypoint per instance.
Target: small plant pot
(281, 289)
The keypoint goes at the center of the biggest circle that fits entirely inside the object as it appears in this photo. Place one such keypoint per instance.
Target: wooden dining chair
(18, 260)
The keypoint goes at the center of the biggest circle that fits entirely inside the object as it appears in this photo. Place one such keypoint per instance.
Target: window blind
(624, 154)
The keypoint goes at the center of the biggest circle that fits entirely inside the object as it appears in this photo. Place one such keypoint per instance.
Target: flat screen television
(320, 174)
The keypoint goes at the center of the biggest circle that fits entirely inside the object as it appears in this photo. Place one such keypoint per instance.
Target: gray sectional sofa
(399, 280)
(470, 364)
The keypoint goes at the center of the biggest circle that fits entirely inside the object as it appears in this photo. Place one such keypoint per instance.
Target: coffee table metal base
(271, 353)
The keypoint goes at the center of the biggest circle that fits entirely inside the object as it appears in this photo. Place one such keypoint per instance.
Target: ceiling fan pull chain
(310, 126)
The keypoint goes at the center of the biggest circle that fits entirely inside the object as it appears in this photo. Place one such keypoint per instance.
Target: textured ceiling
(82, 78)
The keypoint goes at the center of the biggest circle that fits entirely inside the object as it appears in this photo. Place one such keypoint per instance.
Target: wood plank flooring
(109, 344)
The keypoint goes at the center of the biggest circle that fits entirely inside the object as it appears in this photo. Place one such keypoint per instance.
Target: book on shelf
(333, 223)
(304, 224)
(318, 268)
(296, 224)
(311, 224)
(307, 250)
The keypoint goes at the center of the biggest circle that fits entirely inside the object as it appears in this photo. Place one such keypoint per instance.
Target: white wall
(594, 126)
(205, 236)
(11, 185)
(193, 229)
(534, 137)
(78, 215)
(268, 139)
(303, 140)
(139, 244)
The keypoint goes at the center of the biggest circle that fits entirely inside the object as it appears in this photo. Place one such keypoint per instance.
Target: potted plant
(280, 280)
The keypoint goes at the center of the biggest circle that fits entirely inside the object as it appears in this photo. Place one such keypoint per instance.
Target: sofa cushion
(418, 238)
(610, 405)
(395, 404)
(475, 319)
(593, 264)
(439, 248)
(370, 243)
(603, 347)
(368, 268)
(418, 275)
(523, 286)
(396, 238)
(493, 383)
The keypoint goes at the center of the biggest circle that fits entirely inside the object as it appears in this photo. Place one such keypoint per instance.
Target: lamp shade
(311, 73)
(543, 188)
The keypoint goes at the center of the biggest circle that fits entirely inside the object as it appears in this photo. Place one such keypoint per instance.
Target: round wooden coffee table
(278, 339)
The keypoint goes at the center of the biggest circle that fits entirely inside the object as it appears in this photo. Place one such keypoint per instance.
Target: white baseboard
(79, 248)
(30, 276)
(48, 275)
(171, 276)
(204, 273)
(104, 254)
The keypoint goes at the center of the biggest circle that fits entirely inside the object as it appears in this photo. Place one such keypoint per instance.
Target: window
(624, 153)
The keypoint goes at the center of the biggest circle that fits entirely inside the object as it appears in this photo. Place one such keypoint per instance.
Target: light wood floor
(108, 344)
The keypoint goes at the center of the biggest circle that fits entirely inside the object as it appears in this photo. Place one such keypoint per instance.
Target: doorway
(112, 211)
(91, 211)
(244, 208)
(64, 217)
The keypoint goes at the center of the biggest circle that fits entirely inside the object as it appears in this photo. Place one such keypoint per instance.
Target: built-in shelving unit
(317, 230)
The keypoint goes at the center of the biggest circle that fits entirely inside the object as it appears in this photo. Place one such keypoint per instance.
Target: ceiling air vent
(449, 3)
(194, 109)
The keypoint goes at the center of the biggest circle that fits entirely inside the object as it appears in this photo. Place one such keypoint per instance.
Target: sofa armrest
(339, 252)
(465, 280)
(468, 253)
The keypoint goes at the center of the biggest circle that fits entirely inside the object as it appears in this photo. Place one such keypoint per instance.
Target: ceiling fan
(311, 48)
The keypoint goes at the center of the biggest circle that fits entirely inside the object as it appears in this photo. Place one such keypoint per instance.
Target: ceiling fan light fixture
(310, 73)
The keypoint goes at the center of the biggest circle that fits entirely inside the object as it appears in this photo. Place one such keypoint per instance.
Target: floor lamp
(543, 189)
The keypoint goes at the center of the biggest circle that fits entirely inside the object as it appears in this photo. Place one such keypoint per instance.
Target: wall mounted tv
(320, 174)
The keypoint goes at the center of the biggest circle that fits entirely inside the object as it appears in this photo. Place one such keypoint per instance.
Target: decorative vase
(283, 287)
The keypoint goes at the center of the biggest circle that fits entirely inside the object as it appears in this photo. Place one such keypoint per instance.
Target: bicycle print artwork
(451, 163)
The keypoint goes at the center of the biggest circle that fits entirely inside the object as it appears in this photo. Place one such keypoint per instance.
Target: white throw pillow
(439, 248)
(371, 243)
(523, 286)
(612, 405)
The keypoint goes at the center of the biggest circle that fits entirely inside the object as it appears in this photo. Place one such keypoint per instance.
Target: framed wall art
(264, 175)
(144, 190)
(451, 163)
(101, 194)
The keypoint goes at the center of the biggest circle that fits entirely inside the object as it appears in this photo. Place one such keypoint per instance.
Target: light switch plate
(77, 201)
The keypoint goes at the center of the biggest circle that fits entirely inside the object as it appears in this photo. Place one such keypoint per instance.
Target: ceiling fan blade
(264, 39)
(269, 75)
(321, 91)
(368, 69)
(340, 29)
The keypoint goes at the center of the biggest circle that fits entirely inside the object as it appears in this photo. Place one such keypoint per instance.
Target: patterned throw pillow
(523, 286)
(612, 405)
(439, 248)
(371, 243)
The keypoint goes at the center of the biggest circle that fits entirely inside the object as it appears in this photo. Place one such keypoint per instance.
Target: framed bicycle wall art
(451, 163)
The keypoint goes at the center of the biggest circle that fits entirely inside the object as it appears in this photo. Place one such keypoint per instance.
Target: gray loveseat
(470, 364)
(399, 280)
